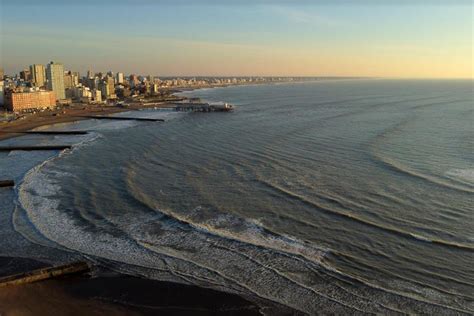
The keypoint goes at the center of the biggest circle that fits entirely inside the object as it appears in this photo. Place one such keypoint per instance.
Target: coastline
(80, 295)
(117, 294)
(66, 115)
(74, 112)
(77, 112)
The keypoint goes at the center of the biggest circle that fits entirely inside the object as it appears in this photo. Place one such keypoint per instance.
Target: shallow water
(327, 197)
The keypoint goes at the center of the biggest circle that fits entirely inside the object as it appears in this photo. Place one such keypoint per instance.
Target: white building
(55, 76)
(154, 89)
(120, 78)
(2, 93)
(82, 93)
(97, 96)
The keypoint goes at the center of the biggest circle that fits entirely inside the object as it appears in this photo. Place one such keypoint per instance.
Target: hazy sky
(402, 38)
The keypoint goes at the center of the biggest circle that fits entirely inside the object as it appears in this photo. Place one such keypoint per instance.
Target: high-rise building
(108, 88)
(68, 84)
(97, 96)
(1, 74)
(71, 79)
(120, 77)
(55, 76)
(133, 80)
(25, 75)
(38, 75)
(75, 78)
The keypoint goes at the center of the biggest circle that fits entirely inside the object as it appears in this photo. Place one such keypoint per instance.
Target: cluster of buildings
(48, 86)
(42, 87)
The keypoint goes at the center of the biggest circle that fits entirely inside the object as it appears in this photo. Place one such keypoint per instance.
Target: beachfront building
(23, 101)
(55, 76)
(38, 75)
(81, 93)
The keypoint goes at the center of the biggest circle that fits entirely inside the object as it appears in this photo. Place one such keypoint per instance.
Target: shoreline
(119, 294)
(115, 294)
(87, 300)
(84, 301)
(73, 113)
(76, 111)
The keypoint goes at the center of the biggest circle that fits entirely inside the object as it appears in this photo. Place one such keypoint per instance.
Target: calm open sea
(344, 197)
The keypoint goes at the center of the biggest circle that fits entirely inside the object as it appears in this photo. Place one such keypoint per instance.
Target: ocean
(326, 197)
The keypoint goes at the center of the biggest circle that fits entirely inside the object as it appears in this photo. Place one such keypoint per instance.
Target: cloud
(234, 2)
(304, 17)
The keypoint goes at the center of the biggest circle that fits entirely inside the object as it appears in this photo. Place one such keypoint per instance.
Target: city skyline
(271, 38)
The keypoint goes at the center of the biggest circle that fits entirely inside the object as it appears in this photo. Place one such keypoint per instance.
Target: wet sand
(112, 295)
(119, 295)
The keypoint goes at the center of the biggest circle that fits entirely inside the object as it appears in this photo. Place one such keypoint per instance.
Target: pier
(47, 132)
(7, 183)
(31, 148)
(203, 107)
(44, 274)
(104, 117)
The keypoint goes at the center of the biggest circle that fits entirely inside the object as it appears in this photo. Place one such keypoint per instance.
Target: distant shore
(77, 111)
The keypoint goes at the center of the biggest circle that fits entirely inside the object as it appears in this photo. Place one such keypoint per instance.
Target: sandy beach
(113, 295)
(72, 113)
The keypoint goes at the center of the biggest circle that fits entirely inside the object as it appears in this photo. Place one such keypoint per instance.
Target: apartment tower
(38, 75)
(55, 76)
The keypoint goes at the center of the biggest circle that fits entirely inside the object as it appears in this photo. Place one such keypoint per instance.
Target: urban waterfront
(257, 158)
(50, 87)
(323, 197)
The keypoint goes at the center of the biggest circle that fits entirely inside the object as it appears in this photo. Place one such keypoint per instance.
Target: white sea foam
(249, 231)
(38, 195)
(466, 175)
(219, 261)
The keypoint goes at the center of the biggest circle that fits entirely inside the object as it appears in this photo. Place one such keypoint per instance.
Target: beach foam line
(465, 175)
(162, 244)
(105, 117)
